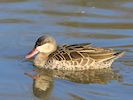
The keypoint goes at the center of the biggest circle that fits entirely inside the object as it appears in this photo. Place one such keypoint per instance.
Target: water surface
(100, 22)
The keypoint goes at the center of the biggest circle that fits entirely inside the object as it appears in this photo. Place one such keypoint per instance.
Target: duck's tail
(118, 54)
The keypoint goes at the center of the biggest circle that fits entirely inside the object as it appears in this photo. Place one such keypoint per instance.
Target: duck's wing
(69, 52)
(101, 54)
(84, 51)
(82, 45)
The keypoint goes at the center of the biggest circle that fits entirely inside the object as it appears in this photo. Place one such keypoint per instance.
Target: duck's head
(44, 44)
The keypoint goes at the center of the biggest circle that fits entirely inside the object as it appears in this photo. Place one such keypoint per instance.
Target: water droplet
(82, 12)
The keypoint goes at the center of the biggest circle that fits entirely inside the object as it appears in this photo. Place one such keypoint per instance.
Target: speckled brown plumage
(81, 57)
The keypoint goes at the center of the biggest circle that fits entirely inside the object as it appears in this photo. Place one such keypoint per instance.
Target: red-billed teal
(71, 57)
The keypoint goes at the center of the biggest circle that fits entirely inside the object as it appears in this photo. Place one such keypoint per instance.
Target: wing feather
(85, 50)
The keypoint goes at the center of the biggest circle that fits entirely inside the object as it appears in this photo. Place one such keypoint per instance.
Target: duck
(83, 56)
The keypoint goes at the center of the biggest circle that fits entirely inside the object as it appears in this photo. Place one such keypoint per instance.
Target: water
(100, 22)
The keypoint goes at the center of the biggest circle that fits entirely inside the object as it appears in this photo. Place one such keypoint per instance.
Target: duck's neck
(40, 60)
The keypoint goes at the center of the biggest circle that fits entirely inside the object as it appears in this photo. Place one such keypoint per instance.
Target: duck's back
(80, 57)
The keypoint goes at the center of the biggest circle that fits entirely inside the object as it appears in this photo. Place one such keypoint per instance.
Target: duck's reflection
(43, 85)
(101, 76)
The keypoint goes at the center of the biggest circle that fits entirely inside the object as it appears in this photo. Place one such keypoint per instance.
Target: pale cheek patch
(46, 48)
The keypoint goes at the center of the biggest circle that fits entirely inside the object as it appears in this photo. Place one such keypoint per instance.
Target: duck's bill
(32, 53)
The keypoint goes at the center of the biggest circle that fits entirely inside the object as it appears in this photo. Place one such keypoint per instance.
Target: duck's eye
(37, 43)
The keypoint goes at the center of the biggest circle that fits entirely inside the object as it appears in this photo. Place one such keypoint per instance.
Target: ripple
(75, 97)
(127, 62)
(55, 13)
(127, 84)
(11, 1)
(98, 35)
(123, 46)
(97, 25)
(99, 93)
(128, 5)
(15, 21)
